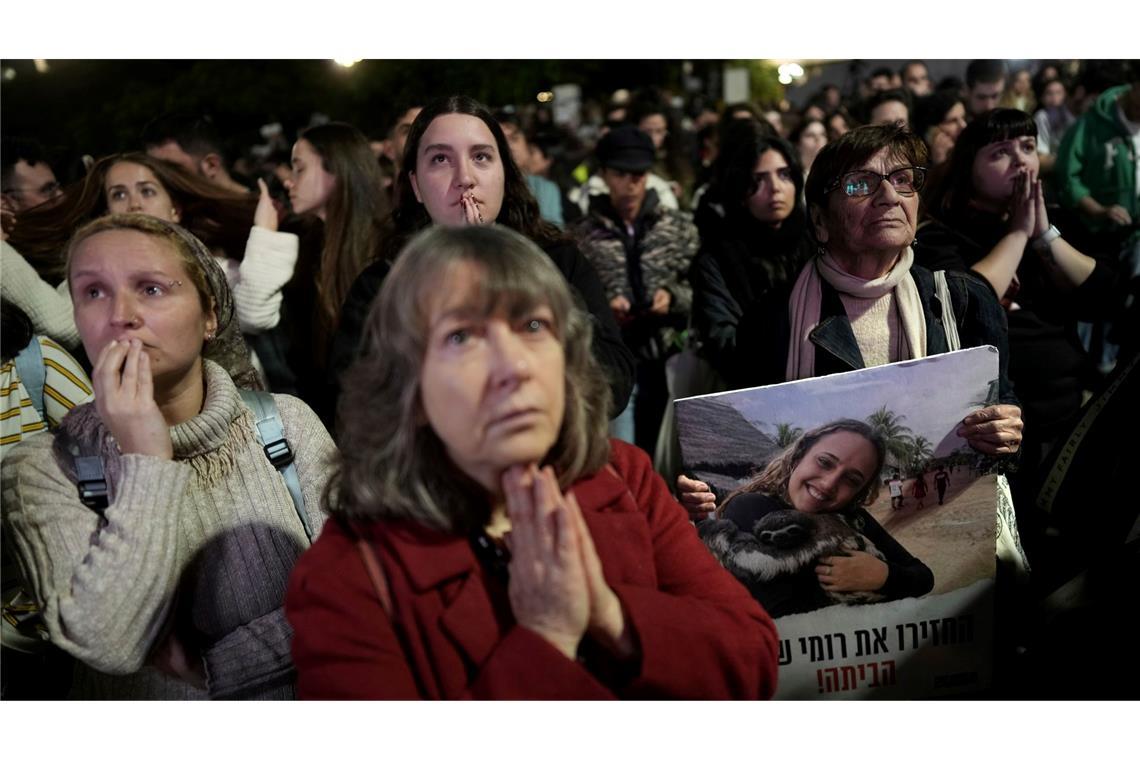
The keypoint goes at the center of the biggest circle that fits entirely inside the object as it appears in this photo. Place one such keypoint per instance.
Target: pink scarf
(807, 295)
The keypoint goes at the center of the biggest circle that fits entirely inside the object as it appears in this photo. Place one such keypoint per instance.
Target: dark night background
(100, 107)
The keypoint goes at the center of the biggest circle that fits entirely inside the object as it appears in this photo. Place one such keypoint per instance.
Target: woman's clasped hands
(557, 588)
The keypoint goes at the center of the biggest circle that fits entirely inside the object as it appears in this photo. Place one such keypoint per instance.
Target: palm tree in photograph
(786, 434)
(896, 435)
(920, 453)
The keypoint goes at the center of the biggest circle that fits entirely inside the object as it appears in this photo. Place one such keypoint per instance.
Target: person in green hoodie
(1097, 161)
(1096, 173)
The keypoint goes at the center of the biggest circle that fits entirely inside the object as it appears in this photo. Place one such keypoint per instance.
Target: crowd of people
(390, 417)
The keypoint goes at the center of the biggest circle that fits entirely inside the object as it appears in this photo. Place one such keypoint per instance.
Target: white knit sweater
(203, 543)
(48, 308)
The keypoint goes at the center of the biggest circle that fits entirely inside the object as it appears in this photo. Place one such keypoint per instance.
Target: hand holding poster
(853, 510)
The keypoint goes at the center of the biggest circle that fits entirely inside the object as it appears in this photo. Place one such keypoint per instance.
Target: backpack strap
(92, 481)
(271, 435)
(30, 368)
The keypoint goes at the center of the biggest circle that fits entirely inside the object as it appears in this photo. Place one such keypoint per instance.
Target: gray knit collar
(210, 428)
(210, 442)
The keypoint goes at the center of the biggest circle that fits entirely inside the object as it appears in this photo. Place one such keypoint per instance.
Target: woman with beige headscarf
(174, 590)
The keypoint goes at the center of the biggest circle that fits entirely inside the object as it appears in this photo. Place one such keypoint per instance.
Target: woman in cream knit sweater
(175, 590)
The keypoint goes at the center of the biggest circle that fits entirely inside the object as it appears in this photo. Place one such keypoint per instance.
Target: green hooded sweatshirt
(1097, 157)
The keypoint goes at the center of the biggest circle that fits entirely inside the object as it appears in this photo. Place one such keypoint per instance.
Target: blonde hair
(228, 347)
(390, 460)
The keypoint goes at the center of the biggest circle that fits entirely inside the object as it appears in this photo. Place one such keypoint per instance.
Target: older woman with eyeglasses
(860, 302)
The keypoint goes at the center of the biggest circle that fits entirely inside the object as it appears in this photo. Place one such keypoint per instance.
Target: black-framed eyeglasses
(906, 180)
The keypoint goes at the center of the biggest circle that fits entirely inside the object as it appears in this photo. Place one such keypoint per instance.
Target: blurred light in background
(789, 72)
(9, 75)
(545, 97)
(41, 65)
(347, 63)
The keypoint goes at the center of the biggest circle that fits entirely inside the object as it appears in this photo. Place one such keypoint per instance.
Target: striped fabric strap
(30, 368)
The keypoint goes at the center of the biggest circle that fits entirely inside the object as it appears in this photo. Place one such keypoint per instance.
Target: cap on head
(626, 149)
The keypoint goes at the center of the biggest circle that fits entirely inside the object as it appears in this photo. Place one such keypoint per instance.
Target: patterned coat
(666, 240)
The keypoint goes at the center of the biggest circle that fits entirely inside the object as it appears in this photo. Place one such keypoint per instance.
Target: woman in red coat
(524, 554)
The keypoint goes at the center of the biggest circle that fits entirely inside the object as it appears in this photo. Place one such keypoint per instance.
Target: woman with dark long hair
(122, 183)
(336, 180)
(456, 170)
(761, 244)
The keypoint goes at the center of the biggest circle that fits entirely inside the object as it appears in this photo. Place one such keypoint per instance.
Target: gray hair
(392, 465)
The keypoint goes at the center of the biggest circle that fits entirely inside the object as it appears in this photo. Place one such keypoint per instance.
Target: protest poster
(927, 522)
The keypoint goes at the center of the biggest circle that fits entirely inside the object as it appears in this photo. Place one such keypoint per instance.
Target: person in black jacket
(762, 242)
(791, 566)
(457, 169)
(990, 219)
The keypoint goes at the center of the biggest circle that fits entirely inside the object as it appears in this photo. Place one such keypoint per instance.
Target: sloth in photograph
(783, 543)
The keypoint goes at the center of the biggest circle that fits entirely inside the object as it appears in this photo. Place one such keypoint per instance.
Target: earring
(210, 336)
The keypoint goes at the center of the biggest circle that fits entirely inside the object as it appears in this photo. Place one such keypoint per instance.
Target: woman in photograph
(835, 470)
(488, 540)
(173, 587)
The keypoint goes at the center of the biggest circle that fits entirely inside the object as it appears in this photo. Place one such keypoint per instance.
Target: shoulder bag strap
(949, 319)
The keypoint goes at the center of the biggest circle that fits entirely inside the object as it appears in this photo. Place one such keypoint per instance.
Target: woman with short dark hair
(861, 301)
(990, 219)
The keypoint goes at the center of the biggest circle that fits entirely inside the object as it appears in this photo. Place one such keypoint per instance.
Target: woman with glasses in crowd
(861, 301)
